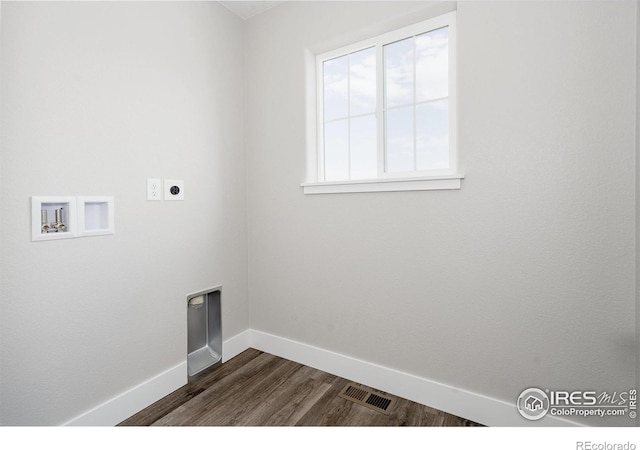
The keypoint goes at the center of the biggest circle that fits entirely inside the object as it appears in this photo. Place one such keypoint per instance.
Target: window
(386, 116)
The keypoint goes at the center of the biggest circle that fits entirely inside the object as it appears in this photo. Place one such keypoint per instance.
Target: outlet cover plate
(174, 189)
(154, 189)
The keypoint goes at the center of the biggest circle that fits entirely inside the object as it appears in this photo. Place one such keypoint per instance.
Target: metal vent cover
(366, 397)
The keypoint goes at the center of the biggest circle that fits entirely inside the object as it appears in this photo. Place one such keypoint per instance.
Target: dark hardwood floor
(259, 389)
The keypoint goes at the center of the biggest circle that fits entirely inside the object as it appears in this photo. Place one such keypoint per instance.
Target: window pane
(432, 63)
(432, 135)
(398, 69)
(336, 92)
(362, 80)
(364, 157)
(399, 139)
(336, 150)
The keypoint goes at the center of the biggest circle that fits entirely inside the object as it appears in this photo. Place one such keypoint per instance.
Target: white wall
(96, 97)
(526, 276)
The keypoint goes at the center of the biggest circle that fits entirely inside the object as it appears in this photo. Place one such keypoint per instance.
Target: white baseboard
(472, 406)
(128, 403)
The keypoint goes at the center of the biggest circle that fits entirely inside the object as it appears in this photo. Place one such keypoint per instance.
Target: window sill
(441, 182)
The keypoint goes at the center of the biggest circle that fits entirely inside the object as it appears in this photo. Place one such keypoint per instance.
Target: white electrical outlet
(154, 189)
(174, 189)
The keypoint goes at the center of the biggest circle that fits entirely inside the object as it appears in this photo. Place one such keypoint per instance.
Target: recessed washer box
(67, 217)
(53, 217)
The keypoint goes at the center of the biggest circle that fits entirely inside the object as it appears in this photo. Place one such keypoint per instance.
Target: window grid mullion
(357, 116)
(380, 109)
(423, 102)
(320, 122)
(349, 116)
(415, 142)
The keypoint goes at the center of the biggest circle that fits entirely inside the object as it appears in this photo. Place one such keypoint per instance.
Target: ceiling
(248, 9)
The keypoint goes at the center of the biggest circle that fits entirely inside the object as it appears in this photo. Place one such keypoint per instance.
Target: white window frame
(414, 180)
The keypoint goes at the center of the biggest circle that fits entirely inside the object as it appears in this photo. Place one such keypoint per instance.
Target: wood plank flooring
(259, 389)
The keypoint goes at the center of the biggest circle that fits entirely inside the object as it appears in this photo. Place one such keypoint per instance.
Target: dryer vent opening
(204, 331)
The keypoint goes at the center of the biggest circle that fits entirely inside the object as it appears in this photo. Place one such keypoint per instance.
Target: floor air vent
(365, 397)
